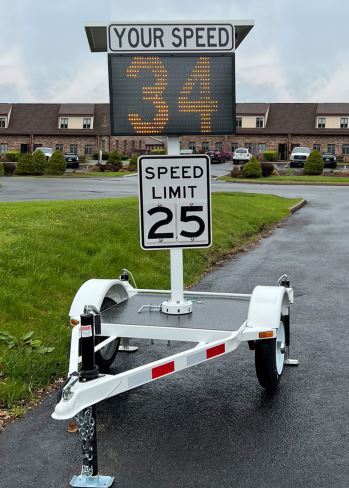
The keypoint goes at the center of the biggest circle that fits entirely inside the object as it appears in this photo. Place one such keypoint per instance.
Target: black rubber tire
(105, 357)
(265, 362)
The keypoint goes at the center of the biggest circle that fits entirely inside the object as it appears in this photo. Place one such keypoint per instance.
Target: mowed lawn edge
(291, 180)
(48, 249)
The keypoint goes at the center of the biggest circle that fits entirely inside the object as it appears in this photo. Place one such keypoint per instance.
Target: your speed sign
(175, 201)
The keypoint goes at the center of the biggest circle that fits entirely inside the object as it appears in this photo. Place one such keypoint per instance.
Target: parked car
(329, 159)
(46, 150)
(217, 156)
(72, 160)
(298, 157)
(241, 155)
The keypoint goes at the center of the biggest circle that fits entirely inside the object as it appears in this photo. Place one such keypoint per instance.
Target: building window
(331, 148)
(345, 149)
(59, 147)
(260, 122)
(218, 146)
(73, 148)
(249, 146)
(234, 146)
(86, 123)
(261, 147)
(3, 122)
(63, 123)
(205, 145)
(344, 122)
(125, 145)
(3, 147)
(317, 147)
(238, 121)
(192, 145)
(321, 122)
(88, 149)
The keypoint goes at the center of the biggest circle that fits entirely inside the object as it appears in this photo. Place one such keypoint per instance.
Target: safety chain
(86, 424)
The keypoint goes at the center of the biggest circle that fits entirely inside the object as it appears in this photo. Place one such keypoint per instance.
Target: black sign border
(141, 223)
(166, 133)
(174, 51)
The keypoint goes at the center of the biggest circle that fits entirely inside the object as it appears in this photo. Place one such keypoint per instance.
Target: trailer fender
(267, 304)
(93, 292)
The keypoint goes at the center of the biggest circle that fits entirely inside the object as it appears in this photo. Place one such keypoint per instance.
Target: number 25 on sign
(205, 106)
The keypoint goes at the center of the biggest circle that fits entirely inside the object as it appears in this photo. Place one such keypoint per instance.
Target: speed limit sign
(175, 201)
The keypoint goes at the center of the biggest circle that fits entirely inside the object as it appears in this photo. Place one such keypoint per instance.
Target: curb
(298, 206)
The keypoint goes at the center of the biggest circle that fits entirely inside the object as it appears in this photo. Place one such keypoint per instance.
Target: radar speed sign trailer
(153, 92)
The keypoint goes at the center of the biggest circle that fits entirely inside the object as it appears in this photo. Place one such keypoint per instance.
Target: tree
(40, 163)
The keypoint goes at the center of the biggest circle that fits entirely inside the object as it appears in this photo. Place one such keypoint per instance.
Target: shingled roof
(332, 109)
(283, 118)
(252, 108)
(42, 119)
(77, 109)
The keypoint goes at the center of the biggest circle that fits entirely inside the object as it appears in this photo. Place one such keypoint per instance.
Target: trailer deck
(143, 309)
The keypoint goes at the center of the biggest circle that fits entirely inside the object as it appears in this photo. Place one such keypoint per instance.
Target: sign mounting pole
(177, 304)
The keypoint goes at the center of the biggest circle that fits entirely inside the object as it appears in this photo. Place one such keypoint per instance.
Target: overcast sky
(297, 51)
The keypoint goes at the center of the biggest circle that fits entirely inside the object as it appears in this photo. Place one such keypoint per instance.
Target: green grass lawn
(48, 249)
(292, 180)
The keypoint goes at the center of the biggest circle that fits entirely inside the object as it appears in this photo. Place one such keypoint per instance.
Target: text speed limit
(175, 207)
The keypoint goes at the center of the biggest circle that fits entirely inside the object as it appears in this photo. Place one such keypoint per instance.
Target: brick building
(85, 128)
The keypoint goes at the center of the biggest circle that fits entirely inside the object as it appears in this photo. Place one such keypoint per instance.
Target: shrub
(40, 163)
(2, 172)
(56, 164)
(105, 156)
(25, 165)
(314, 165)
(252, 169)
(236, 172)
(82, 159)
(267, 169)
(12, 156)
(9, 168)
(124, 157)
(158, 151)
(117, 166)
(270, 155)
(340, 158)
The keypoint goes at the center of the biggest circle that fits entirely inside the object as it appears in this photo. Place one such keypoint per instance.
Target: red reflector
(215, 351)
(162, 370)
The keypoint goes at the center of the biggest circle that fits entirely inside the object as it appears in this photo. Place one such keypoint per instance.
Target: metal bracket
(125, 346)
(91, 481)
(288, 361)
(291, 362)
(150, 308)
(66, 391)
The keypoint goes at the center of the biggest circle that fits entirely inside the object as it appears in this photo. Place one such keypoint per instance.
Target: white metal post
(177, 305)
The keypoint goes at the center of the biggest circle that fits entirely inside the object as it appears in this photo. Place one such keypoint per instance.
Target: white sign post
(175, 211)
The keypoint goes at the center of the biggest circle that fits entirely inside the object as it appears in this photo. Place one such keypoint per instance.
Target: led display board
(162, 94)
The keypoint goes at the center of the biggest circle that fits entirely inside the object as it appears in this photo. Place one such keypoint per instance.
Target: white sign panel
(192, 37)
(175, 201)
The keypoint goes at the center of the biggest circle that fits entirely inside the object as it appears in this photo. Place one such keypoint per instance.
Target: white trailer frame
(267, 304)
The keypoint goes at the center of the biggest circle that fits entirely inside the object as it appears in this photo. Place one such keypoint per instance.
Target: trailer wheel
(105, 356)
(269, 359)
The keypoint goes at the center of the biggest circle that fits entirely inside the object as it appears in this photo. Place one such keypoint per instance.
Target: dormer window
(344, 122)
(63, 123)
(3, 122)
(238, 121)
(260, 122)
(86, 124)
(321, 122)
